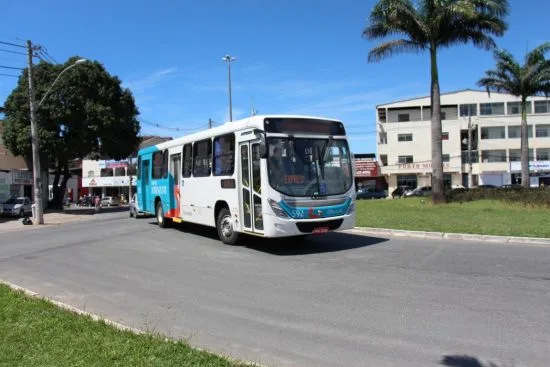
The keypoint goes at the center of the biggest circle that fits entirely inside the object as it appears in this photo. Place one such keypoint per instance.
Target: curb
(452, 236)
(117, 325)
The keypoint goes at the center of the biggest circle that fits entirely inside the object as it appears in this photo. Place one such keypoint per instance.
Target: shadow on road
(466, 361)
(332, 242)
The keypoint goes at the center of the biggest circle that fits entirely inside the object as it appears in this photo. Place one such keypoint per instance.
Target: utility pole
(209, 123)
(37, 182)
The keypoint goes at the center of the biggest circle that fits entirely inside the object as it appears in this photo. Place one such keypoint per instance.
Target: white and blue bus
(269, 176)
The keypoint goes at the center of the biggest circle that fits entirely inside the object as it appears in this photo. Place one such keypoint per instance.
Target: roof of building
(8, 161)
(460, 91)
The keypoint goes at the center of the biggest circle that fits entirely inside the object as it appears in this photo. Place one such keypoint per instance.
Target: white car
(109, 201)
(17, 207)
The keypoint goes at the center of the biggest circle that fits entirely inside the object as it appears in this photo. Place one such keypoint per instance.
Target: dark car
(368, 193)
(400, 191)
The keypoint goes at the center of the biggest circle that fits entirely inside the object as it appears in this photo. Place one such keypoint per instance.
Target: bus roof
(228, 127)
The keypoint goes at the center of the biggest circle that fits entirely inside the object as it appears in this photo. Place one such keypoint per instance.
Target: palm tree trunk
(437, 146)
(525, 180)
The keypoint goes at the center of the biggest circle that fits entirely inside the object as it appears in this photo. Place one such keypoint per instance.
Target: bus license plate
(320, 230)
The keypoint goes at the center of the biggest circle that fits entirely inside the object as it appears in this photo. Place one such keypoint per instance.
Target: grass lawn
(479, 217)
(34, 332)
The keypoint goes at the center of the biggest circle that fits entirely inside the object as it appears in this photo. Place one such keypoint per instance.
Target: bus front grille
(308, 227)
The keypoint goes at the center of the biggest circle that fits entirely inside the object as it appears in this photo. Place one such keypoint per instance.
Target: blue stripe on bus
(316, 211)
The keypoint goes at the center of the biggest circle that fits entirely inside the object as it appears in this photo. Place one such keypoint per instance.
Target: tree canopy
(86, 111)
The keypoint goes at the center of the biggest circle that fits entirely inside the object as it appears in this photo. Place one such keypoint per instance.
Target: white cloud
(150, 80)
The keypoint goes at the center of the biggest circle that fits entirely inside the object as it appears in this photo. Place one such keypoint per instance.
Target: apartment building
(404, 139)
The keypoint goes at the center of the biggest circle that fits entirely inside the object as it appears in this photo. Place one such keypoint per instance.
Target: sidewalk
(449, 236)
(50, 220)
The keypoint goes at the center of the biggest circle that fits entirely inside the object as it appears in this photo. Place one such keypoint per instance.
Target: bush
(533, 197)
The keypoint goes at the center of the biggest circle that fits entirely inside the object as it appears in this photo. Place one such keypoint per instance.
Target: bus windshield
(309, 167)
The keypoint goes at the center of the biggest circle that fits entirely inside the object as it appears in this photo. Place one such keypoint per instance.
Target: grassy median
(34, 332)
(492, 217)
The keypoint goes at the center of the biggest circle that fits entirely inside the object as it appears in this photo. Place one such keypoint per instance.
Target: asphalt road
(341, 300)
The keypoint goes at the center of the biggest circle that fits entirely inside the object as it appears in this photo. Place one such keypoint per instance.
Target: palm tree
(521, 81)
(430, 25)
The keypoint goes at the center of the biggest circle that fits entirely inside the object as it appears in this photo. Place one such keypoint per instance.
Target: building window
(383, 138)
(542, 106)
(495, 132)
(486, 109)
(384, 159)
(514, 108)
(382, 114)
(405, 159)
(403, 117)
(202, 158)
(407, 180)
(160, 164)
(443, 115)
(187, 160)
(515, 155)
(491, 156)
(224, 155)
(542, 131)
(468, 110)
(445, 136)
(405, 137)
(446, 158)
(543, 154)
(514, 131)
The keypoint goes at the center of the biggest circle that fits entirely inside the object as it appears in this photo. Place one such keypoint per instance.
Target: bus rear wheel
(225, 227)
(161, 220)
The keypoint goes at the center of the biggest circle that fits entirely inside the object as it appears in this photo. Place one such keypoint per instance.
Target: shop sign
(113, 164)
(366, 168)
(533, 166)
(21, 177)
(107, 181)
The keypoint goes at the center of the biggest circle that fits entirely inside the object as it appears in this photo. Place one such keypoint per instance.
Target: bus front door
(144, 185)
(250, 184)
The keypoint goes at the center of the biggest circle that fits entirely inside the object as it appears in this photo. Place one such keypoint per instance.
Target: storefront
(117, 187)
(15, 183)
(539, 173)
(367, 173)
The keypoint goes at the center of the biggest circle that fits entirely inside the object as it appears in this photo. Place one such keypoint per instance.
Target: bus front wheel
(226, 230)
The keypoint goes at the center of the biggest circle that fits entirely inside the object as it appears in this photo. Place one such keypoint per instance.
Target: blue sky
(293, 56)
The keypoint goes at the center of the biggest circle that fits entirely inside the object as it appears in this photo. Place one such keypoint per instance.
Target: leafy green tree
(87, 111)
(430, 25)
(530, 79)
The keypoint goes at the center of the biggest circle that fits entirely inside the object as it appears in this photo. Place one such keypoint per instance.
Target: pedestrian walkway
(50, 219)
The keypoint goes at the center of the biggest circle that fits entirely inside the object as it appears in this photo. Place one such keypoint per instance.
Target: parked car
(400, 191)
(109, 201)
(420, 191)
(134, 211)
(18, 207)
(369, 193)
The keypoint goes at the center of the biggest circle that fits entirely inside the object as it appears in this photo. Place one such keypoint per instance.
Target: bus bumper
(280, 227)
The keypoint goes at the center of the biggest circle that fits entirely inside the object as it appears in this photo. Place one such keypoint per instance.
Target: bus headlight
(277, 209)
(351, 208)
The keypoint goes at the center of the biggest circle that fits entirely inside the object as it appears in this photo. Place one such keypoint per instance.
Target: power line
(13, 52)
(12, 44)
(159, 126)
(10, 67)
(15, 76)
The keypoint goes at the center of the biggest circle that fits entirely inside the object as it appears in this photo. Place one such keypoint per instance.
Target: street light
(39, 213)
(229, 59)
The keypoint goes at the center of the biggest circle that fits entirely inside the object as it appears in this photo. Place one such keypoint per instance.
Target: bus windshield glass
(309, 167)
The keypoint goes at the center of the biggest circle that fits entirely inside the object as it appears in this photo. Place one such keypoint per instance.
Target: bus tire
(161, 220)
(224, 225)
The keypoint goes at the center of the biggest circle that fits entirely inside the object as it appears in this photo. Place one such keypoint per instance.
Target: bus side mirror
(263, 145)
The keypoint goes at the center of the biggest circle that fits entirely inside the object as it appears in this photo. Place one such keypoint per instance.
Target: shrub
(533, 197)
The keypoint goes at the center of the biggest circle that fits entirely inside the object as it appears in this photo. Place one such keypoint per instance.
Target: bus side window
(158, 158)
(187, 160)
(202, 157)
(224, 155)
